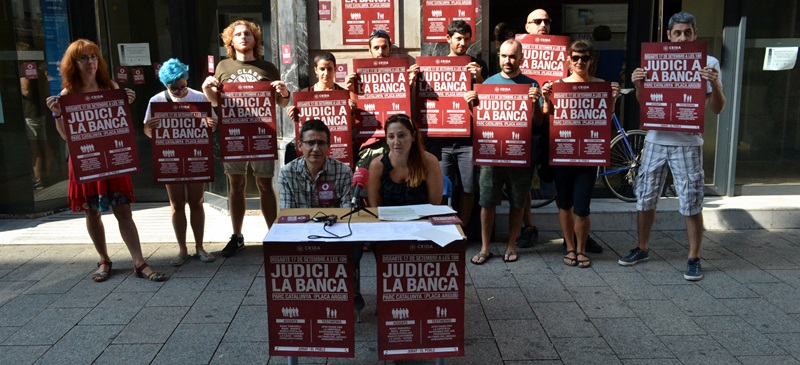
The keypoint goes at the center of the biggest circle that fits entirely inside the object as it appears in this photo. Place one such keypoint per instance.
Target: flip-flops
(205, 257)
(480, 258)
(510, 256)
(179, 260)
(570, 261)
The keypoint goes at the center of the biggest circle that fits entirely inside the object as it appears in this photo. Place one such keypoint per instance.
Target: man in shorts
(245, 63)
(517, 179)
(683, 153)
(455, 153)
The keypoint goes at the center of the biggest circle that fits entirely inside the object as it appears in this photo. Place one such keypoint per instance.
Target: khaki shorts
(516, 179)
(263, 168)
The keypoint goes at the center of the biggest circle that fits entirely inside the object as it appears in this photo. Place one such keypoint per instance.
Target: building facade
(750, 149)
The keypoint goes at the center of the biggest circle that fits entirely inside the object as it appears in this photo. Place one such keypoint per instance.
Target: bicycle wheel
(542, 192)
(621, 182)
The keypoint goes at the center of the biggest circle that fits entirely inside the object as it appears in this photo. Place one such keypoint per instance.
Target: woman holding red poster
(574, 184)
(84, 70)
(174, 75)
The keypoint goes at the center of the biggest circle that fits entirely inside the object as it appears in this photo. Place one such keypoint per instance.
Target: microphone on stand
(360, 178)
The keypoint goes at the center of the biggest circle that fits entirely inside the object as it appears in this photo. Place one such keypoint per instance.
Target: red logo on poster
(341, 72)
(324, 10)
(210, 64)
(156, 67)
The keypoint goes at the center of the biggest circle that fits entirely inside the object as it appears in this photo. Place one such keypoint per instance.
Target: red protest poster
(442, 82)
(544, 57)
(101, 141)
(420, 300)
(247, 122)
(673, 95)
(580, 133)
(122, 75)
(382, 91)
(182, 148)
(341, 72)
(333, 108)
(437, 15)
(31, 70)
(138, 75)
(310, 298)
(361, 17)
(502, 130)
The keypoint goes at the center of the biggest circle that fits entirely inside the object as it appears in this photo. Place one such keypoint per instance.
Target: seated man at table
(316, 181)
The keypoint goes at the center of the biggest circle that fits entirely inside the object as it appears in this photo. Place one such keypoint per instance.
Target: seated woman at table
(407, 174)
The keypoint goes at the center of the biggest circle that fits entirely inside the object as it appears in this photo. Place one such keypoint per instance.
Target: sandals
(179, 260)
(510, 256)
(480, 258)
(153, 276)
(205, 257)
(101, 276)
(583, 263)
(570, 261)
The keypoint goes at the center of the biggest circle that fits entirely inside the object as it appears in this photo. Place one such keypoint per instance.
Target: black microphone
(360, 178)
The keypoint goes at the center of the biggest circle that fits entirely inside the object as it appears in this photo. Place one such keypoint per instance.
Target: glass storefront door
(768, 148)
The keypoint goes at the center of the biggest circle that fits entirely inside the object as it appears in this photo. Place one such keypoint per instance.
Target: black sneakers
(234, 245)
(527, 237)
(636, 256)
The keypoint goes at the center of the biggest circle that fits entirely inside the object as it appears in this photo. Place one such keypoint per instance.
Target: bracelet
(55, 116)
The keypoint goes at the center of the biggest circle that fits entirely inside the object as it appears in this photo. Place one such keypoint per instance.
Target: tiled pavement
(534, 311)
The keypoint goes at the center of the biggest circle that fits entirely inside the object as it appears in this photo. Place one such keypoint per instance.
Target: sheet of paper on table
(412, 212)
(365, 232)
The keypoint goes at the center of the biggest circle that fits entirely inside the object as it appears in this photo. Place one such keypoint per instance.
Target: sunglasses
(584, 58)
(379, 33)
(539, 21)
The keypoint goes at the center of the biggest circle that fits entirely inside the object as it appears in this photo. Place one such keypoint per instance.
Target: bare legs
(127, 229)
(694, 229)
(465, 202)
(179, 194)
(487, 223)
(238, 204)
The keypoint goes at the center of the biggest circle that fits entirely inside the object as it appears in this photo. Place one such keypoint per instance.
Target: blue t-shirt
(519, 79)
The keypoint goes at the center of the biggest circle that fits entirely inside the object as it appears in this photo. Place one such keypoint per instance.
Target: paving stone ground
(534, 311)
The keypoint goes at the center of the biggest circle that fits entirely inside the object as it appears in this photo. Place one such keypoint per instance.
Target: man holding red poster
(245, 63)
(329, 102)
(682, 152)
(502, 117)
(382, 90)
(452, 146)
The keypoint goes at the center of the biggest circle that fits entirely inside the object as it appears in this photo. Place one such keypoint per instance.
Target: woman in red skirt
(84, 70)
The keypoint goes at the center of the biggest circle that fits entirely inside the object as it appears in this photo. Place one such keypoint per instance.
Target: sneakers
(636, 256)
(235, 244)
(693, 271)
(591, 245)
(527, 237)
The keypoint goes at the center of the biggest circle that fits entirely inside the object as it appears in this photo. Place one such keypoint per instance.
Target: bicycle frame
(628, 148)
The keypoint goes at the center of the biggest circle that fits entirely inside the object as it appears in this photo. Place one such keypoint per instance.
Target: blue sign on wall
(56, 39)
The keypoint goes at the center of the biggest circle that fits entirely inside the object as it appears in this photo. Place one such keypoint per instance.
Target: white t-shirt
(680, 138)
(192, 96)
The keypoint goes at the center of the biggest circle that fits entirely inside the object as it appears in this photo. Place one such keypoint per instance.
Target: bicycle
(619, 176)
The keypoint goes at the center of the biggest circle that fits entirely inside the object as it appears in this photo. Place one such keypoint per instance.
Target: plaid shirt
(299, 190)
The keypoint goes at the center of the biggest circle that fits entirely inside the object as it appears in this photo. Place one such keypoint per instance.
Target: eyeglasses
(379, 33)
(87, 58)
(315, 142)
(584, 58)
(539, 21)
(177, 90)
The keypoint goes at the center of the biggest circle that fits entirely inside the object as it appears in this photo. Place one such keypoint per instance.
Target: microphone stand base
(357, 209)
